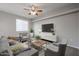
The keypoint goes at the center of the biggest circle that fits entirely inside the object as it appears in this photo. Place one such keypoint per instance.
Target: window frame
(21, 29)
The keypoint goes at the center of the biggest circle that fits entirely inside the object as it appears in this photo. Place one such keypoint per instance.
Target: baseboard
(73, 46)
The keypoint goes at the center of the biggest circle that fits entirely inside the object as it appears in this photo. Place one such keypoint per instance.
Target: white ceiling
(17, 8)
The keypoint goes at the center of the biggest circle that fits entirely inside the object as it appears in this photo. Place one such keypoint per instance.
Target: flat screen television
(47, 27)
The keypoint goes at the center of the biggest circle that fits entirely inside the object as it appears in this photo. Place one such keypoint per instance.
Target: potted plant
(38, 37)
(31, 32)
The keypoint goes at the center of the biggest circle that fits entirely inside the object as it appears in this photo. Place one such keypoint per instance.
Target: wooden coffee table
(38, 43)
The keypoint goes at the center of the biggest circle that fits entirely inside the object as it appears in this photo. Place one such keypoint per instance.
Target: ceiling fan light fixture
(32, 13)
(35, 10)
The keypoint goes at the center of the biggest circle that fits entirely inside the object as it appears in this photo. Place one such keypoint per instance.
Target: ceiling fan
(34, 10)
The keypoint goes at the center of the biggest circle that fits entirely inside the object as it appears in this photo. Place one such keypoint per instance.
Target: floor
(70, 51)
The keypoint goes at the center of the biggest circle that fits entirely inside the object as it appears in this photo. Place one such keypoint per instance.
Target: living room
(53, 25)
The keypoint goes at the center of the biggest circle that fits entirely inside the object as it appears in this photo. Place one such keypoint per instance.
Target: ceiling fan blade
(39, 13)
(39, 10)
(29, 13)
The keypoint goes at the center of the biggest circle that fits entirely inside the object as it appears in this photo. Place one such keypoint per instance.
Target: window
(21, 25)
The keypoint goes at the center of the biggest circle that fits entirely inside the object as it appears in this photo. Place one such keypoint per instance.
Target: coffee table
(39, 45)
